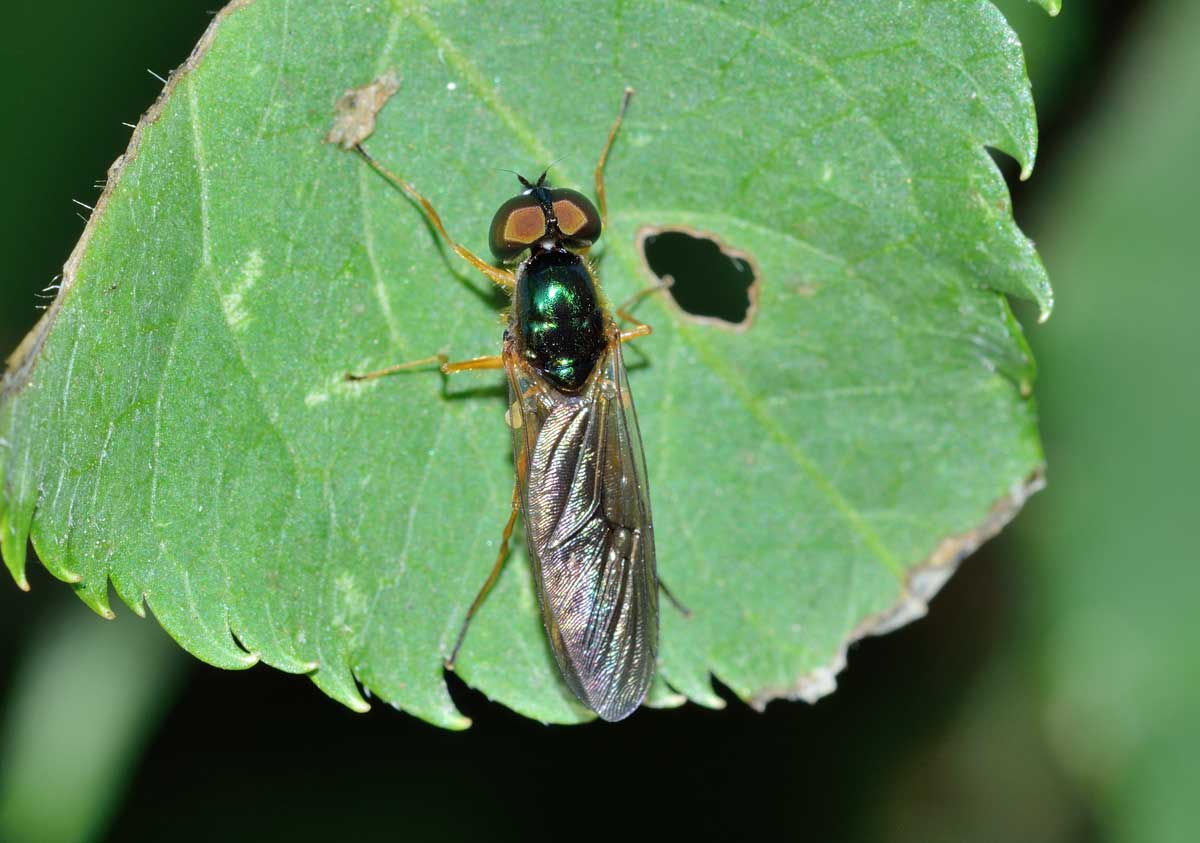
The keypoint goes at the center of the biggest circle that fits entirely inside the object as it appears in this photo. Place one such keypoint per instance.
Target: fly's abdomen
(558, 317)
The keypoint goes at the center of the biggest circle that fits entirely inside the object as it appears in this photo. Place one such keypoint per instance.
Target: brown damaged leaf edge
(23, 360)
(647, 231)
(920, 586)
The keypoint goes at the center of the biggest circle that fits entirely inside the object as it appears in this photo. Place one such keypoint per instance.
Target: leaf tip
(1045, 303)
(460, 723)
(95, 596)
(13, 542)
(1050, 7)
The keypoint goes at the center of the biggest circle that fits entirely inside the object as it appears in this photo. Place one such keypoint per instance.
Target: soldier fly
(580, 472)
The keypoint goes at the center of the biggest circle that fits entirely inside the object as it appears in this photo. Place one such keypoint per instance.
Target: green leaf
(179, 423)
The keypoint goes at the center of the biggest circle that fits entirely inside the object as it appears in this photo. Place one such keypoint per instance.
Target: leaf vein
(824, 484)
(476, 81)
(283, 48)
(379, 288)
(201, 171)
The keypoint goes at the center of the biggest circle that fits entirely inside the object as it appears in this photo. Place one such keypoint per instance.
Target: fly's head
(542, 217)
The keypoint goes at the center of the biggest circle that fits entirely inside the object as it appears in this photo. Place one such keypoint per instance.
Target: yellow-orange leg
(641, 329)
(491, 580)
(501, 277)
(490, 361)
(612, 135)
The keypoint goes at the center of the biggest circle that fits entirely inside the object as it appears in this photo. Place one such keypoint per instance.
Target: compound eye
(578, 219)
(517, 225)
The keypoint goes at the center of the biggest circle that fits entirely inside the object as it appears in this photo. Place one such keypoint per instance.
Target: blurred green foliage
(64, 763)
(1114, 578)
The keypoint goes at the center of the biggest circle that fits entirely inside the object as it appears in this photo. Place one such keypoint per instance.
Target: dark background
(937, 732)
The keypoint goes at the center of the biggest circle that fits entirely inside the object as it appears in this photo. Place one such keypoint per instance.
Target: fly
(580, 472)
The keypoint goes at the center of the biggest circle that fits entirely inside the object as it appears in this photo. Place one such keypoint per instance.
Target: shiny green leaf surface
(181, 427)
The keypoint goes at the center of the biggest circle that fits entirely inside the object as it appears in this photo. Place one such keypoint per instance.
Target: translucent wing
(586, 505)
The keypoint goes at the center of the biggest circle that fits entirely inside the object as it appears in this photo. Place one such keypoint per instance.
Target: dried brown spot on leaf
(358, 108)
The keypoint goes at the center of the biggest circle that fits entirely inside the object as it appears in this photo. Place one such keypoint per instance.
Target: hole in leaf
(709, 281)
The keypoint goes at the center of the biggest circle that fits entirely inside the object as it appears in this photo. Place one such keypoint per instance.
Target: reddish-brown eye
(578, 219)
(516, 226)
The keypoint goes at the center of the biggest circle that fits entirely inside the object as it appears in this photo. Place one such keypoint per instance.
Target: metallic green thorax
(558, 317)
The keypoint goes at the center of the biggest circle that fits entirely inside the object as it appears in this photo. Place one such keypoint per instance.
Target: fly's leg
(612, 135)
(399, 367)
(683, 610)
(490, 581)
(640, 329)
(490, 361)
(502, 277)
